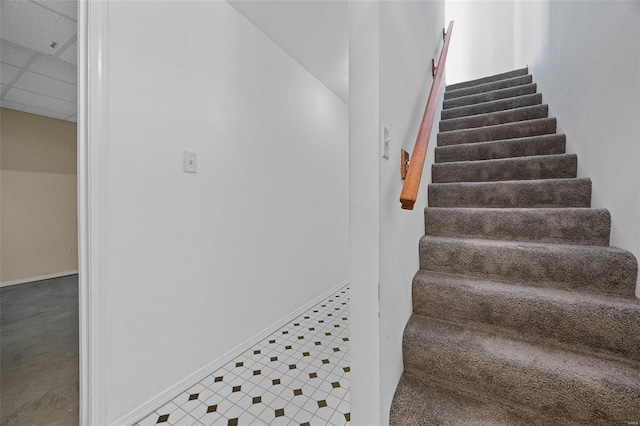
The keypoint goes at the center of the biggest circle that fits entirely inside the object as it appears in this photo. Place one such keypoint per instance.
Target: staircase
(522, 312)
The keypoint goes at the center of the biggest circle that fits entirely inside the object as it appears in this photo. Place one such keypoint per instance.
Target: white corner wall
(410, 36)
(585, 58)
(484, 43)
(198, 263)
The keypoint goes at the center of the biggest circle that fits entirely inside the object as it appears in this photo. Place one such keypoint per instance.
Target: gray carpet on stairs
(522, 312)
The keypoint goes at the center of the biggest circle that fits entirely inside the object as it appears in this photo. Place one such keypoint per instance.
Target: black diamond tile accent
(193, 396)
(327, 334)
(347, 416)
(318, 343)
(256, 352)
(272, 341)
(163, 418)
(257, 399)
(336, 309)
(346, 369)
(316, 311)
(305, 424)
(296, 324)
(300, 337)
(306, 317)
(285, 332)
(335, 384)
(344, 318)
(239, 364)
(280, 412)
(325, 361)
(212, 408)
(344, 303)
(275, 382)
(324, 306)
(336, 349)
(292, 367)
(236, 388)
(233, 422)
(321, 321)
(297, 392)
(332, 300)
(218, 379)
(322, 403)
(329, 315)
(257, 372)
(305, 354)
(287, 347)
(274, 358)
(336, 325)
(346, 339)
(312, 375)
(312, 328)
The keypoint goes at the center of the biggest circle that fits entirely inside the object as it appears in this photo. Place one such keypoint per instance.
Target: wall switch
(190, 162)
(385, 142)
(71, 249)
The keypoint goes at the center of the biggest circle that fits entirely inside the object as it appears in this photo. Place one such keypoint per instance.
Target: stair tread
(507, 160)
(439, 406)
(494, 77)
(505, 148)
(512, 115)
(509, 92)
(489, 86)
(588, 388)
(491, 106)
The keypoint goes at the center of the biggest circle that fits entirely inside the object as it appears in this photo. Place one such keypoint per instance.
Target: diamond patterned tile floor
(300, 375)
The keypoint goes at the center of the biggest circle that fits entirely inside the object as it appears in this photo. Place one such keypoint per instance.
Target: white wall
(410, 35)
(198, 263)
(585, 58)
(391, 46)
(484, 42)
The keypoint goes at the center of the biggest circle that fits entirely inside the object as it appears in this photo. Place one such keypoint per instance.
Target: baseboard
(39, 278)
(175, 390)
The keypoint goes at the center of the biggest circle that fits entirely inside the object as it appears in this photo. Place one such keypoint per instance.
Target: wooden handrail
(414, 174)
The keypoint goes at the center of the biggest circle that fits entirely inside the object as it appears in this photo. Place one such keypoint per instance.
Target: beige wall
(37, 196)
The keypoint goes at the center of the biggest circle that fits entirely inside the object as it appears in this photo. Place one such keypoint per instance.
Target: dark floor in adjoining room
(39, 335)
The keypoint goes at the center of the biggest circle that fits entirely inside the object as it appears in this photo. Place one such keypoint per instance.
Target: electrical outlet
(190, 162)
(71, 249)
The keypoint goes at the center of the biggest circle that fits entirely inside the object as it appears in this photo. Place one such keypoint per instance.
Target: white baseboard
(175, 390)
(39, 278)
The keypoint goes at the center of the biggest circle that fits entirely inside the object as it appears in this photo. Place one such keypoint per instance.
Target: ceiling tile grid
(38, 57)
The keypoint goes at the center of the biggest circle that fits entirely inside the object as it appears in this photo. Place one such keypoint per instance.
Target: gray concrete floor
(39, 353)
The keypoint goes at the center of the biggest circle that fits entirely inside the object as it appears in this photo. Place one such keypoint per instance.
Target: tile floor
(300, 375)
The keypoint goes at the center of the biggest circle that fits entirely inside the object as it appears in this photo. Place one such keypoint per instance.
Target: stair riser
(511, 92)
(575, 324)
(564, 267)
(495, 118)
(495, 106)
(552, 392)
(562, 226)
(520, 129)
(551, 193)
(489, 87)
(526, 168)
(497, 77)
(537, 145)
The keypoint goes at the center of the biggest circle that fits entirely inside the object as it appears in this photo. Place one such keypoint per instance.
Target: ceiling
(38, 57)
(314, 32)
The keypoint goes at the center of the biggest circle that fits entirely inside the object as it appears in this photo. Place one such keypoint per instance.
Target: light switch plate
(190, 162)
(385, 142)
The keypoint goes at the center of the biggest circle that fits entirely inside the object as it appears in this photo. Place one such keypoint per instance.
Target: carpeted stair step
(521, 168)
(494, 106)
(557, 225)
(509, 92)
(489, 87)
(519, 147)
(521, 129)
(490, 79)
(571, 320)
(493, 118)
(512, 194)
(560, 384)
(593, 269)
(421, 403)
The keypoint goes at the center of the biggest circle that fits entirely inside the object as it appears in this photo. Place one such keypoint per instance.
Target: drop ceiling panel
(40, 101)
(55, 68)
(34, 26)
(47, 86)
(8, 73)
(13, 54)
(67, 8)
(33, 110)
(70, 54)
